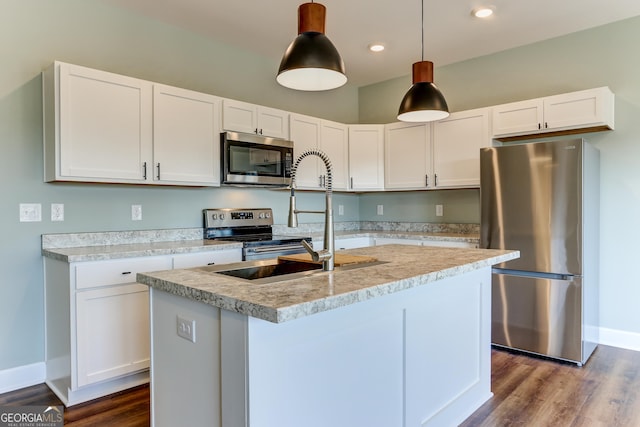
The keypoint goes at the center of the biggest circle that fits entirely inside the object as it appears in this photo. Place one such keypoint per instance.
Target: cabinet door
(186, 138)
(239, 116)
(366, 157)
(104, 126)
(202, 259)
(112, 332)
(334, 143)
(456, 148)
(408, 156)
(517, 118)
(273, 122)
(244, 117)
(583, 109)
(305, 134)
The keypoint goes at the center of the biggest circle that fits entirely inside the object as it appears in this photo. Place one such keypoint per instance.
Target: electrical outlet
(439, 210)
(186, 329)
(380, 210)
(340, 209)
(57, 212)
(30, 212)
(136, 212)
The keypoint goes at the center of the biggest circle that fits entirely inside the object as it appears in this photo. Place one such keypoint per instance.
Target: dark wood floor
(528, 392)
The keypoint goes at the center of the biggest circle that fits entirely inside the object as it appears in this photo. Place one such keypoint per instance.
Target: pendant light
(423, 102)
(311, 62)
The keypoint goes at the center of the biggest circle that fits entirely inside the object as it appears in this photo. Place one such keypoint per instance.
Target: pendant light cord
(422, 39)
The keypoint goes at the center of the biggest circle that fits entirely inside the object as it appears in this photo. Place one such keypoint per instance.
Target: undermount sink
(274, 270)
(278, 268)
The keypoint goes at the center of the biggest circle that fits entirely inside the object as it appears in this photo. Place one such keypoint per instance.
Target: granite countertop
(405, 267)
(80, 247)
(133, 250)
(414, 235)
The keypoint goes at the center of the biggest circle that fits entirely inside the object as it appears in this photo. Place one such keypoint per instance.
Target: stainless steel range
(254, 229)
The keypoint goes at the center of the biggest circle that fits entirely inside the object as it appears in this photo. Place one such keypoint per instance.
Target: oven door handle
(278, 248)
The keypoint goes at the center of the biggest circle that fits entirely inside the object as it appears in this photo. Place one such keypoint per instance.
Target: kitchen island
(405, 342)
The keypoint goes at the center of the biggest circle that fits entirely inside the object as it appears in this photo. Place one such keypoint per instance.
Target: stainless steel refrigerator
(543, 200)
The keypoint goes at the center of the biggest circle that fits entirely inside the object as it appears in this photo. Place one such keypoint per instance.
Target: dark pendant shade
(423, 102)
(311, 62)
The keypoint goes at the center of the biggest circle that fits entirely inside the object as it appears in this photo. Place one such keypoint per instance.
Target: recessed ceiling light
(376, 47)
(482, 12)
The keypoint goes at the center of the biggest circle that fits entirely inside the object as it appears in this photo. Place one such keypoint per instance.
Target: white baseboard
(621, 339)
(21, 377)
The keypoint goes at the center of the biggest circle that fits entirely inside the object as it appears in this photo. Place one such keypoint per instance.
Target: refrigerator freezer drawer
(538, 315)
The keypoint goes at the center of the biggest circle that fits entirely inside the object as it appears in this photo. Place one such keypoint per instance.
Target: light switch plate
(439, 210)
(30, 212)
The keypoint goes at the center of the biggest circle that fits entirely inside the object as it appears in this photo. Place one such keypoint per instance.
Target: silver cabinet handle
(426, 181)
(158, 171)
(124, 273)
(435, 183)
(351, 183)
(144, 171)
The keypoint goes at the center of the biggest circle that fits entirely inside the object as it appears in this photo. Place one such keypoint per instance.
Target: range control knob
(268, 214)
(214, 216)
(221, 216)
(261, 215)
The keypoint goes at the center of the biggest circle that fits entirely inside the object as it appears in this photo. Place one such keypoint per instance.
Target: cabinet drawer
(116, 272)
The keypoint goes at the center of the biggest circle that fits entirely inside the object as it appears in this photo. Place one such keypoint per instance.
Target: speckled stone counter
(100, 246)
(404, 267)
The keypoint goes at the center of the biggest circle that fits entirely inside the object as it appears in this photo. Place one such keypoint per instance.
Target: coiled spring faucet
(326, 255)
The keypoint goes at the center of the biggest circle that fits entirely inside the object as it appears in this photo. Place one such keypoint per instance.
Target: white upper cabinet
(334, 143)
(366, 157)
(456, 148)
(249, 118)
(305, 134)
(104, 127)
(583, 111)
(186, 136)
(97, 125)
(407, 155)
(330, 137)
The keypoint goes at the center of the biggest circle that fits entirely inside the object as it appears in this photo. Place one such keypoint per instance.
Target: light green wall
(34, 33)
(604, 56)
(459, 206)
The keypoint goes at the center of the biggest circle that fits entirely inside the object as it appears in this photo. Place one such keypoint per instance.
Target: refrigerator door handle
(539, 274)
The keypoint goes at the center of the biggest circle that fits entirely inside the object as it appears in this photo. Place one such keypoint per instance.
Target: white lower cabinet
(354, 242)
(112, 326)
(97, 322)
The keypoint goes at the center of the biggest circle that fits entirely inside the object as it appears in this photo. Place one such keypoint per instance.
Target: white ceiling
(266, 27)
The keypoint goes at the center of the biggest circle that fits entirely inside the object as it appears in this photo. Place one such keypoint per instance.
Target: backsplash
(107, 238)
(424, 227)
(73, 240)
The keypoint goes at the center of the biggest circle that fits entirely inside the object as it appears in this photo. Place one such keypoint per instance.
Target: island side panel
(449, 329)
(420, 357)
(185, 376)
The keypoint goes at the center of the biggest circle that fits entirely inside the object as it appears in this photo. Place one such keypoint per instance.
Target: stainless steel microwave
(249, 159)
